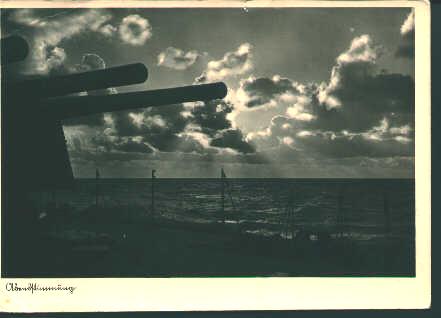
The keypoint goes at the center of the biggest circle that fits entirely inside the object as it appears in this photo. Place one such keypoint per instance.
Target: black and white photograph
(208, 142)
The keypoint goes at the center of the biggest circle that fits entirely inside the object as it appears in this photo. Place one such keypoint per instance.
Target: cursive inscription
(34, 287)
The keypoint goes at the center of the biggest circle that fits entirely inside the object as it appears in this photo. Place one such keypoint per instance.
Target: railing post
(386, 212)
(341, 217)
(153, 191)
(97, 176)
(223, 194)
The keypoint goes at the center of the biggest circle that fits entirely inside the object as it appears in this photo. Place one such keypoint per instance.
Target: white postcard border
(197, 294)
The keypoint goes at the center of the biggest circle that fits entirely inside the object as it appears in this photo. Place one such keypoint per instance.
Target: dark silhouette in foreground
(34, 153)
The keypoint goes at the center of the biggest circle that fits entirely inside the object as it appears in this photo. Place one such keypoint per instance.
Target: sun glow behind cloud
(360, 111)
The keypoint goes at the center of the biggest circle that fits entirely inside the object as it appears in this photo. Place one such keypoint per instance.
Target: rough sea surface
(362, 208)
(262, 227)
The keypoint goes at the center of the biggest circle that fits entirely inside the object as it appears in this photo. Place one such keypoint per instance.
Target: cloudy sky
(312, 92)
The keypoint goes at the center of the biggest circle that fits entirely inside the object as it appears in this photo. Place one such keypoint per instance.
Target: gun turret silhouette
(33, 142)
(34, 152)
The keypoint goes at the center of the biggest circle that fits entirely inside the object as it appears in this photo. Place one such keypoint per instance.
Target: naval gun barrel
(79, 82)
(74, 106)
(13, 49)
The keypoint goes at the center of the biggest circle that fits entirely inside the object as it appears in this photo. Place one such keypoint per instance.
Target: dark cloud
(170, 128)
(123, 124)
(211, 116)
(262, 90)
(177, 59)
(161, 128)
(359, 112)
(379, 141)
(154, 120)
(107, 143)
(232, 138)
(365, 99)
(139, 124)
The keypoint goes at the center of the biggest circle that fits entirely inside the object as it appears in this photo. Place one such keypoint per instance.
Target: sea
(226, 227)
(362, 208)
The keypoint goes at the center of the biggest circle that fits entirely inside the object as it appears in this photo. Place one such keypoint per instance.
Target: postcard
(215, 155)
